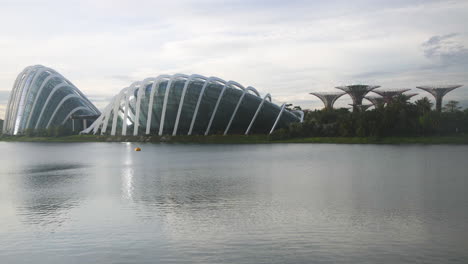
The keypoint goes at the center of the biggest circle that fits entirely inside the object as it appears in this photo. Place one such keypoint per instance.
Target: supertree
(388, 95)
(328, 98)
(439, 91)
(409, 96)
(357, 93)
(377, 101)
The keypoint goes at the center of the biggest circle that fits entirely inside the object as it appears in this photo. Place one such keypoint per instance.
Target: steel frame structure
(119, 105)
(27, 100)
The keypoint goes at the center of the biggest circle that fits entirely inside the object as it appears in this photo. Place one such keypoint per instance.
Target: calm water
(285, 203)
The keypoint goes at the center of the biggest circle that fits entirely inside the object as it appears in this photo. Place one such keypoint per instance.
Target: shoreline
(241, 139)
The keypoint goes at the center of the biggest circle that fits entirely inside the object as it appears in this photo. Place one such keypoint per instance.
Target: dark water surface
(285, 203)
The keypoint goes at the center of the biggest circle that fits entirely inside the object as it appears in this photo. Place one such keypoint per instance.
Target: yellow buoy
(137, 149)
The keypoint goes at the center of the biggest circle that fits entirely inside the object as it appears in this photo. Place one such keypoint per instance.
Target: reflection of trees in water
(48, 191)
(177, 190)
(197, 202)
(51, 167)
(177, 187)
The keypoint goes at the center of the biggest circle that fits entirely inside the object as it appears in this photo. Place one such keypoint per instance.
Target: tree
(398, 118)
(424, 105)
(452, 106)
(29, 132)
(399, 101)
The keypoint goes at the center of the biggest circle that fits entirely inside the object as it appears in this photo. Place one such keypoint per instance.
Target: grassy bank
(240, 139)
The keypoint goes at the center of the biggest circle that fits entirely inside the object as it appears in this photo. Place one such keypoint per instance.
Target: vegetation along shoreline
(240, 139)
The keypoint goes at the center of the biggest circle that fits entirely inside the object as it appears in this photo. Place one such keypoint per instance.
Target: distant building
(191, 105)
(166, 105)
(42, 98)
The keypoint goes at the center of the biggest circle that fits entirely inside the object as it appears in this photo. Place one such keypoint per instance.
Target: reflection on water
(233, 204)
(45, 168)
(48, 190)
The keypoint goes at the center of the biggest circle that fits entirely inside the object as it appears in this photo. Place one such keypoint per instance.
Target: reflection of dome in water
(191, 105)
(42, 98)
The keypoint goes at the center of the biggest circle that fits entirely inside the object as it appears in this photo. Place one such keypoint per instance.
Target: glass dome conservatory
(191, 105)
(42, 98)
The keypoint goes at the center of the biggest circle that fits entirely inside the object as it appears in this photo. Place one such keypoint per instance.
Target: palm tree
(424, 105)
(452, 106)
(398, 102)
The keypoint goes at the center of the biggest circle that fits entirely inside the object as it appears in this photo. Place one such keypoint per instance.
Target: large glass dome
(42, 98)
(191, 105)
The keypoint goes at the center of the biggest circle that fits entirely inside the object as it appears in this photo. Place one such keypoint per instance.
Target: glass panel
(205, 110)
(31, 96)
(42, 97)
(245, 114)
(157, 107)
(172, 106)
(52, 105)
(225, 110)
(66, 108)
(265, 119)
(189, 104)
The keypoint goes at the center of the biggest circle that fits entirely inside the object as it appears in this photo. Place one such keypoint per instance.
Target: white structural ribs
(250, 88)
(182, 97)
(166, 95)
(278, 118)
(256, 112)
(35, 100)
(125, 108)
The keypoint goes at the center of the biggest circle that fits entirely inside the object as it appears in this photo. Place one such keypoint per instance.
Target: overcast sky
(286, 48)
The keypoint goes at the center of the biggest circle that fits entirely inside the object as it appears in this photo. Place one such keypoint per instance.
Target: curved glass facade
(42, 98)
(190, 105)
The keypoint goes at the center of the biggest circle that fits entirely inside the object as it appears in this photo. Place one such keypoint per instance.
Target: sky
(285, 48)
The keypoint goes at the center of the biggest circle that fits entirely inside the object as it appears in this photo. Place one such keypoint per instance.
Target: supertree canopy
(357, 92)
(377, 101)
(388, 95)
(438, 91)
(328, 98)
(409, 96)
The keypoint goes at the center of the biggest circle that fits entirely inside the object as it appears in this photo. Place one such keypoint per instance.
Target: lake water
(282, 203)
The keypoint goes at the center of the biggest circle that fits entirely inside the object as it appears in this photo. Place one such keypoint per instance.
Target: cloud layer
(286, 48)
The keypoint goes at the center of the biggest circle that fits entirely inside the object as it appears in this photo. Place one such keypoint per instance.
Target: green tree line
(397, 118)
(57, 131)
